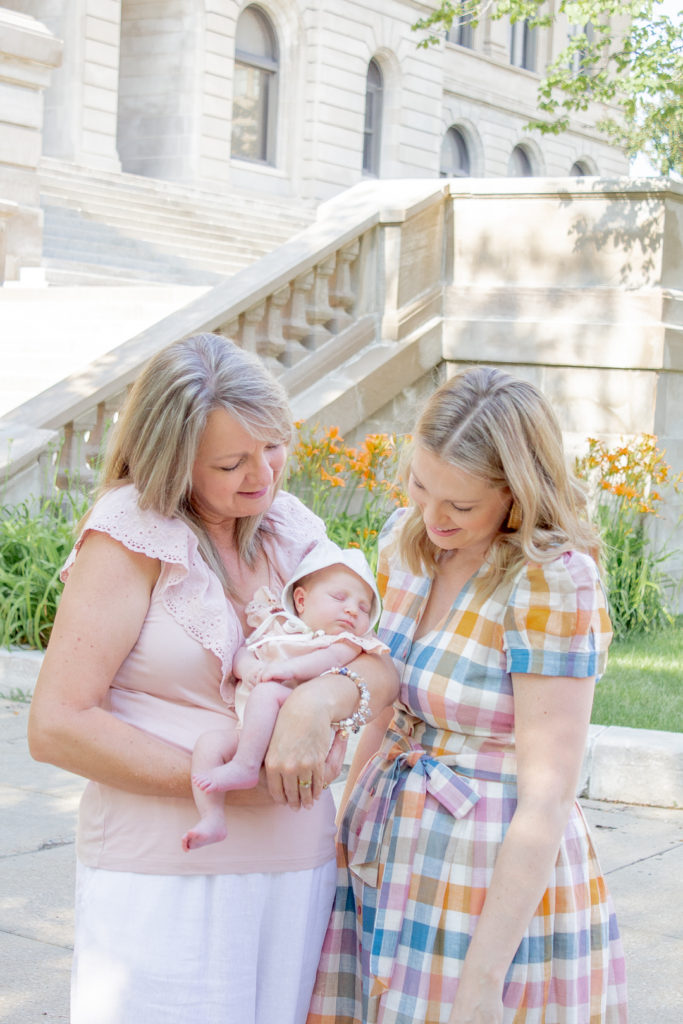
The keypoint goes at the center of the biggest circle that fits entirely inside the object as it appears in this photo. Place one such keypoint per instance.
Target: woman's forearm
(94, 743)
(369, 742)
(521, 875)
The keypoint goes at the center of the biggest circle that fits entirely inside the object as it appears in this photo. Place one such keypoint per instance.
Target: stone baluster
(320, 312)
(342, 296)
(73, 470)
(231, 330)
(250, 322)
(92, 444)
(271, 345)
(296, 327)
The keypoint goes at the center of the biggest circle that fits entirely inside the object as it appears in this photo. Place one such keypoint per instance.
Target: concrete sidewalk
(641, 851)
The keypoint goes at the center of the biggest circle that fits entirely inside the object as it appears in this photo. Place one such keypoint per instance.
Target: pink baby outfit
(277, 635)
(170, 686)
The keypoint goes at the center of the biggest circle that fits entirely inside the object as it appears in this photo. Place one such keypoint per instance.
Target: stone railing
(575, 284)
(319, 302)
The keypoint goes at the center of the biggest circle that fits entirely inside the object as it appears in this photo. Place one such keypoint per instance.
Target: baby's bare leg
(211, 750)
(242, 772)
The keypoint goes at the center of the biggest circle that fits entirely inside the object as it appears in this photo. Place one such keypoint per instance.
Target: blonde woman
(469, 889)
(189, 523)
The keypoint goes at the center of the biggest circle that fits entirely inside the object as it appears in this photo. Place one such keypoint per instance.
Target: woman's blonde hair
(154, 443)
(502, 430)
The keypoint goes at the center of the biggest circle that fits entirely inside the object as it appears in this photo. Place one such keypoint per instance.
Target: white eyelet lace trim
(192, 593)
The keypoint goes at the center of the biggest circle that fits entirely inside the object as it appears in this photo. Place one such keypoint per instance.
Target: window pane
(254, 87)
(250, 112)
(455, 158)
(523, 45)
(254, 36)
(461, 31)
(373, 119)
(519, 165)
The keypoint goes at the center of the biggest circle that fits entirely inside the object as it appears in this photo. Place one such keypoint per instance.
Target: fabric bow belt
(404, 777)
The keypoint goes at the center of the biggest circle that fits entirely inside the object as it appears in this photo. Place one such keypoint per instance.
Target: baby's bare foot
(227, 777)
(206, 831)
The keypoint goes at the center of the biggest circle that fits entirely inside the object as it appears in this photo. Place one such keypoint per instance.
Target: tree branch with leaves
(626, 57)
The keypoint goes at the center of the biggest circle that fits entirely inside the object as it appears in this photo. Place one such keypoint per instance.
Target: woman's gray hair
(154, 444)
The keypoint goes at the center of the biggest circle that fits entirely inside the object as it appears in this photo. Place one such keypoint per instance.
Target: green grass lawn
(643, 685)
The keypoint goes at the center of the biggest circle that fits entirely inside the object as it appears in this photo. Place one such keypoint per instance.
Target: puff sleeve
(556, 621)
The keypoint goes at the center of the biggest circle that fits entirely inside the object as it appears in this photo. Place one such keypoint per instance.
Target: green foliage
(352, 489)
(626, 56)
(641, 688)
(34, 543)
(640, 589)
(629, 484)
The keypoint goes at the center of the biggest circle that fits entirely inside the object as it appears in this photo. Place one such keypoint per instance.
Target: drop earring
(514, 520)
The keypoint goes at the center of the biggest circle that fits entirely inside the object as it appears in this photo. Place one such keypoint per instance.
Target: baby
(323, 621)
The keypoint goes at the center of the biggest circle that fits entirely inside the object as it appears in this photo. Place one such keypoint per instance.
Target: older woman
(189, 523)
(469, 889)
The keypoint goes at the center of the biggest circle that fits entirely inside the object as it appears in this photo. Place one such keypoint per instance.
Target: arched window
(461, 30)
(455, 157)
(254, 105)
(579, 170)
(519, 165)
(372, 132)
(523, 45)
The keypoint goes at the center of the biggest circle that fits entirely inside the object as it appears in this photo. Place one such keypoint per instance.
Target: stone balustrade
(575, 284)
(304, 309)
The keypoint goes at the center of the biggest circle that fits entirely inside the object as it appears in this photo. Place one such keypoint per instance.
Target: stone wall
(147, 86)
(28, 53)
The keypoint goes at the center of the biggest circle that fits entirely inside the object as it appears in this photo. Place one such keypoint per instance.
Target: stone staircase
(106, 228)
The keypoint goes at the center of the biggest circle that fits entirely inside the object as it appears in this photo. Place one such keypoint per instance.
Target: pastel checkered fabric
(424, 825)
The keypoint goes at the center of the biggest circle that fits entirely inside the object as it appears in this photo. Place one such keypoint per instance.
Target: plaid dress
(425, 822)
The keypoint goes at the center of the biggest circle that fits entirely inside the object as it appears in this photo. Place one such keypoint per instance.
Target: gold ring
(305, 785)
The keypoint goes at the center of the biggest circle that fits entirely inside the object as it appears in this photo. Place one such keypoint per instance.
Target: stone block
(20, 145)
(103, 31)
(98, 98)
(101, 77)
(637, 766)
(104, 54)
(613, 238)
(28, 41)
(21, 106)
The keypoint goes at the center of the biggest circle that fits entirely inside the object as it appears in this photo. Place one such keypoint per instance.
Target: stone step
(176, 212)
(66, 179)
(82, 268)
(61, 273)
(104, 245)
(99, 223)
(68, 229)
(211, 245)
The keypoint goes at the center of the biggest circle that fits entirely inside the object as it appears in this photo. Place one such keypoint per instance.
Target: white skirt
(198, 949)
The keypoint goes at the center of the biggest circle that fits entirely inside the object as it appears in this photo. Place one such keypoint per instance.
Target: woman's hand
(299, 746)
(299, 750)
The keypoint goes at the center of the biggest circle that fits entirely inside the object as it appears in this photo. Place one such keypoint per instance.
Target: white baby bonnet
(325, 554)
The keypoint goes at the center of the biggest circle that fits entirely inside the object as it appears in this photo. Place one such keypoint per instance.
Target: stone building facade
(299, 98)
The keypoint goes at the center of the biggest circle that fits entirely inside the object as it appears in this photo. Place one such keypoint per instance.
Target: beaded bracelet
(362, 712)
